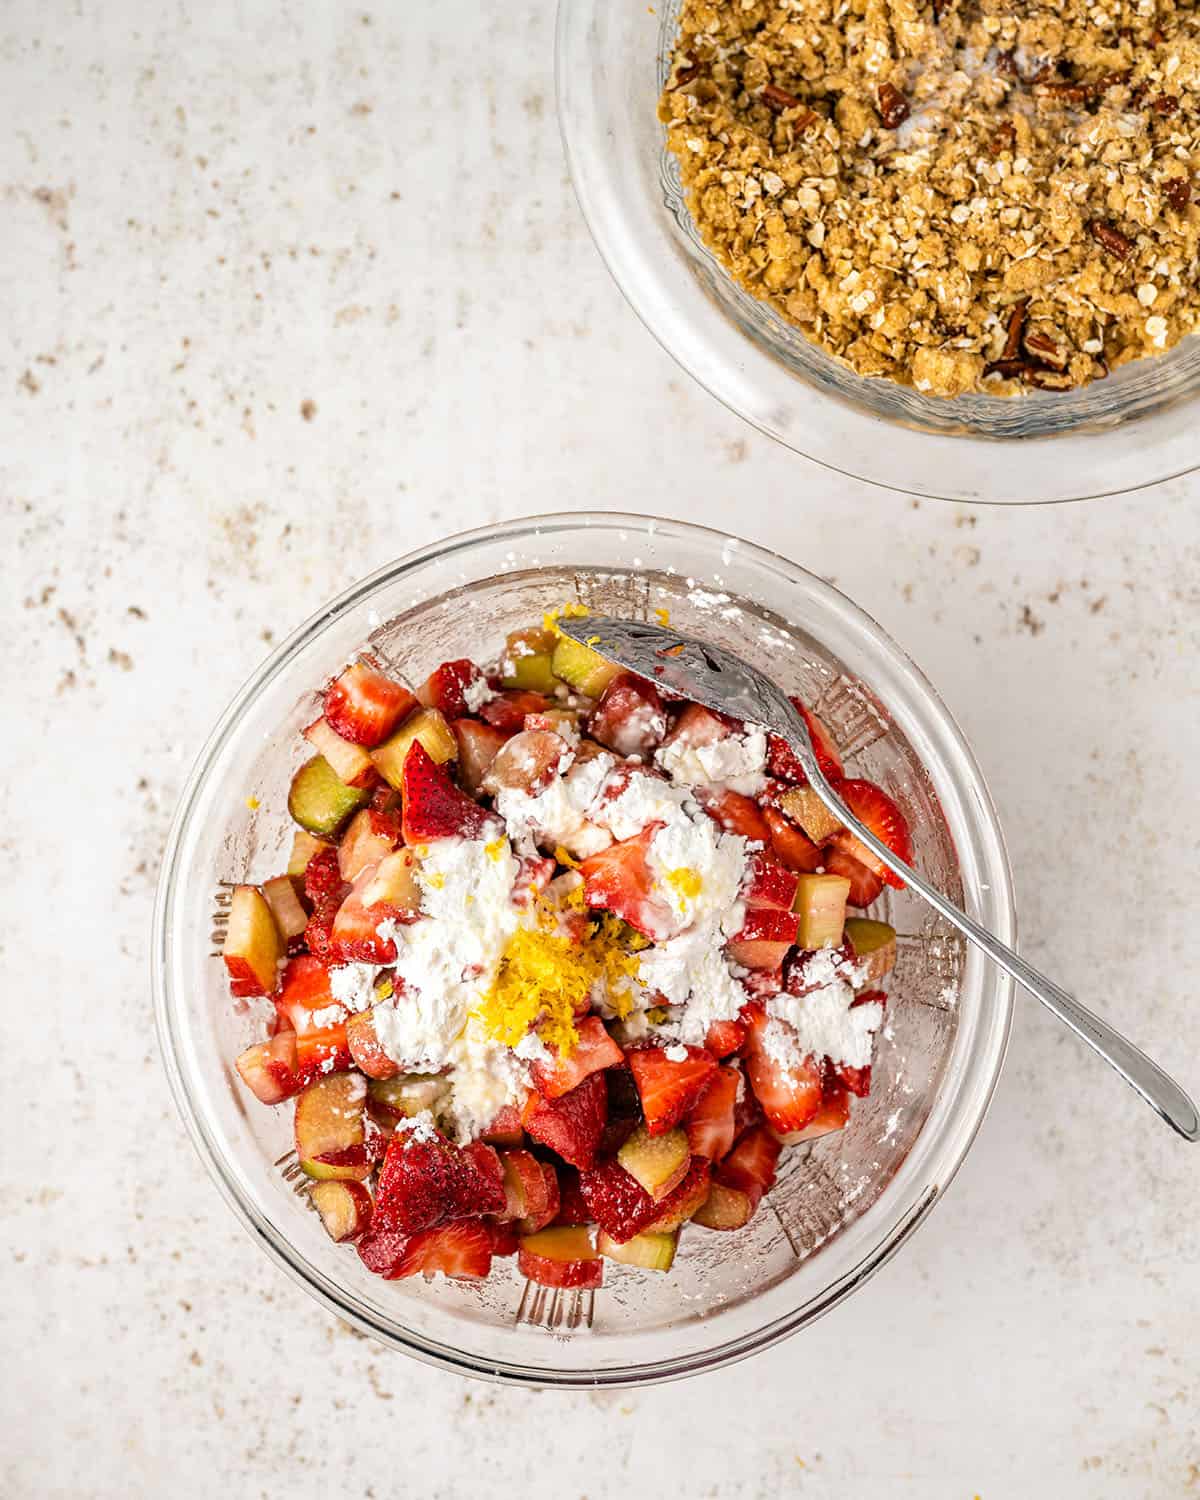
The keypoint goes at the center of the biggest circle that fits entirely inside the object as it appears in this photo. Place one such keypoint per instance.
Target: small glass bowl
(841, 1205)
(1133, 429)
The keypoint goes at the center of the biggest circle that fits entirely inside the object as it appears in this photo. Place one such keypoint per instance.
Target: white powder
(645, 799)
(676, 1053)
(419, 1127)
(485, 1076)
(737, 762)
(354, 985)
(448, 959)
(476, 694)
(559, 814)
(825, 1022)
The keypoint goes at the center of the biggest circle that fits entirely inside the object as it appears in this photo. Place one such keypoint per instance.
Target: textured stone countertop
(288, 291)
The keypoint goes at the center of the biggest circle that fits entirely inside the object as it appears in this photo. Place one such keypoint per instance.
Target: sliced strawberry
(445, 688)
(571, 1126)
(322, 1050)
(364, 706)
(833, 1114)
(790, 845)
(504, 1239)
(507, 710)
(531, 1190)
(768, 883)
(871, 805)
(305, 994)
(781, 761)
(528, 762)
(764, 939)
(462, 1249)
(697, 726)
(668, 1089)
(424, 1182)
(478, 745)
(865, 885)
(594, 1050)
(790, 1097)
(354, 936)
(620, 880)
(735, 813)
(318, 933)
(725, 1037)
(434, 808)
(269, 1069)
(750, 1166)
(630, 717)
(710, 1120)
(366, 1049)
(617, 1201)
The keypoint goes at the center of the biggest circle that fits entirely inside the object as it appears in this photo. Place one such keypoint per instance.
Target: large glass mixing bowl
(841, 1205)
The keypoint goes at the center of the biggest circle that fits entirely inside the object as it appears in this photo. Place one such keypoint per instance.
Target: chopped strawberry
(768, 883)
(531, 1191)
(735, 813)
(444, 689)
(725, 1037)
(594, 1050)
(506, 1129)
(322, 1050)
(790, 845)
(323, 876)
(764, 939)
(865, 885)
(434, 808)
(750, 1166)
(385, 798)
(354, 936)
(424, 1182)
(318, 933)
(364, 706)
(571, 1206)
(571, 1126)
(697, 726)
(630, 717)
(620, 880)
(478, 745)
(461, 1249)
(871, 805)
(305, 994)
(504, 1239)
(528, 762)
(617, 1201)
(366, 1049)
(507, 710)
(790, 1097)
(710, 1120)
(833, 1114)
(668, 1089)
(781, 761)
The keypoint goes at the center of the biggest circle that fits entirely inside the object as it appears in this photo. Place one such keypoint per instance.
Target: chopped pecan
(1108, 81)
(1110, 238)
(778, 99)
(1007, 369)
(1004, 138)
(1178, 193)
(1006, 65)
(1164, 104)
(1064, 93)
(893, 106)
(1046, 380)
(687, 75)
(1044, 349)
(1016, 326)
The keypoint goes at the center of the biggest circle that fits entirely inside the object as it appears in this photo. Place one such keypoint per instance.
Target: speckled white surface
(213, 215)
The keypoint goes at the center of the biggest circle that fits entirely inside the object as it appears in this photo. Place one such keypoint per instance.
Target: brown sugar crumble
(958, 195)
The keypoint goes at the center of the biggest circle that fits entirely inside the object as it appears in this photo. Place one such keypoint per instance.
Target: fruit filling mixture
(558, 966)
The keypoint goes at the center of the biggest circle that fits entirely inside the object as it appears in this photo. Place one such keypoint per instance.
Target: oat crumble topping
(958, 195)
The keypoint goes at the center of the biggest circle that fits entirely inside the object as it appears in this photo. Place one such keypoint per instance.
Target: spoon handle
(1161, 1092)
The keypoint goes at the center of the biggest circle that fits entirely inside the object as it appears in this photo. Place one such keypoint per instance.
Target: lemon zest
(686, 882)
(253, 804)
(496, 848)
(384, 990)
(663, 616)
(657, 1014)
(563, 612)
(565, 857)
(436, 882)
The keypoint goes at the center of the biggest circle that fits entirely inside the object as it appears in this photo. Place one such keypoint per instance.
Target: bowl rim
(736, 371)
(282, 1252)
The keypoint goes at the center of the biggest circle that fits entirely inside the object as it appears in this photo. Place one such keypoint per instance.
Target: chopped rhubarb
(582, 668)
(344, 1207)
(649, 1252)
(369, 836)
(349, 763)
(802, 805)
(561, 1257)
(874, 945)
(820, 908)
(253, 945)
(478, 746)
(269, 1069)
(528, 661)
(330, 1129)
(319, 800)
(658, 1162)
(429, 729)
(290, 917)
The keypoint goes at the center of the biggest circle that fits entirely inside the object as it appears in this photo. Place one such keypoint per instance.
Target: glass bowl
(1133, 429)
(842, 1205)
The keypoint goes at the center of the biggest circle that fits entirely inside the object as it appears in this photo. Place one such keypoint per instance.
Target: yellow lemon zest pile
(544, 974)
(663, 616)
(565, 857)
(435, 882)
(563, 612)
(496, 848)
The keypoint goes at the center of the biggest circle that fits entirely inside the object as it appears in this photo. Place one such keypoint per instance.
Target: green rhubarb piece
(652, 1252)
(582, 668)
(527, 662)
(320, 802)
(658, 1162)
(820, 906)
(874, 945)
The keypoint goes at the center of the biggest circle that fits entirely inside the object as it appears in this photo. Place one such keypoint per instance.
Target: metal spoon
(718, 679)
